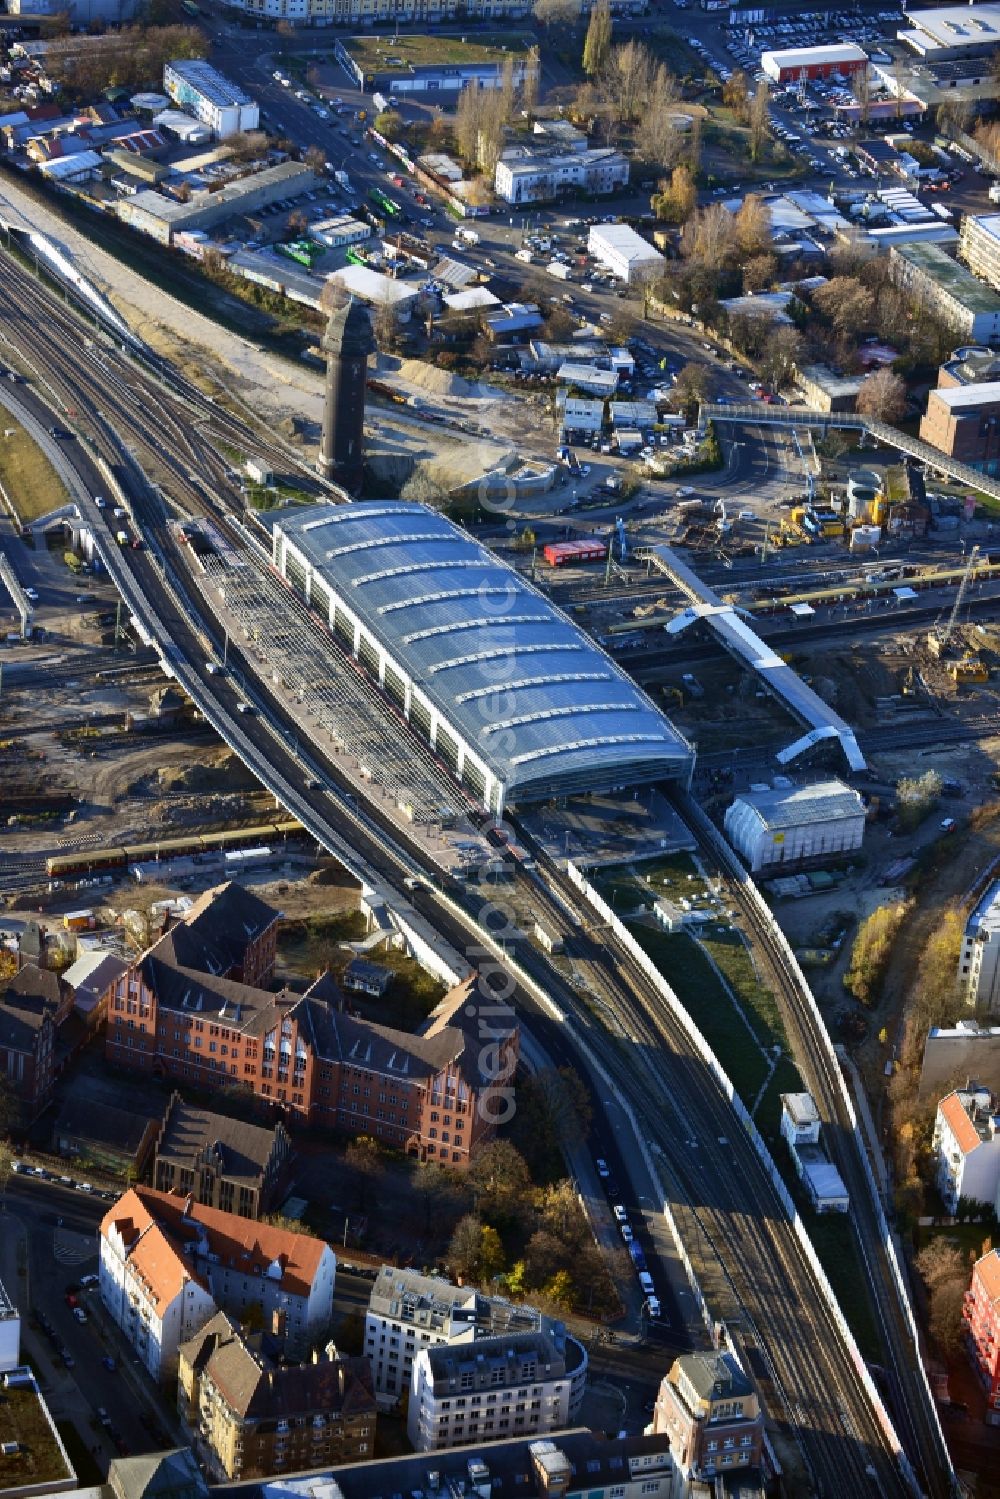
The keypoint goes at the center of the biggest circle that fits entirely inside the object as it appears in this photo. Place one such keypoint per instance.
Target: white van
(646, 1281)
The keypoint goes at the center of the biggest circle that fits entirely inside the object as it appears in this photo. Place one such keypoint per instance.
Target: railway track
(723, 1194)
(814, 1056)
(764, 1286)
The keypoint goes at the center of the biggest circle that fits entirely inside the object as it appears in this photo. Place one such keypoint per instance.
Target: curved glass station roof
(529, 692)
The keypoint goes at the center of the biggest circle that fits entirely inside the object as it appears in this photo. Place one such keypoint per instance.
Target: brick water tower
(346, 343)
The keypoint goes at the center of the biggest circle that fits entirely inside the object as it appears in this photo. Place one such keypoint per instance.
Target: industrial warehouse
(512, 696)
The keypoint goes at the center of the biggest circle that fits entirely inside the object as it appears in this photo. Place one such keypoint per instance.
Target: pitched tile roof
(965, 1134)
(153, 1255)
(987, 1272)
(240, 1243)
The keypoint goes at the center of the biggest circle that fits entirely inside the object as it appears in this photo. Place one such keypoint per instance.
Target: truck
(995, 192)
(341, 178)
(467, 236)
(559, 269)
(122, 538)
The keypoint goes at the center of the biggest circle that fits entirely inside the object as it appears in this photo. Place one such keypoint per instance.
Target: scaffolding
(298, 652)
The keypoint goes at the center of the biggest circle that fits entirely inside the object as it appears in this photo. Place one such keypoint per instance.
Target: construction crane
(940, 638)
(618, 534)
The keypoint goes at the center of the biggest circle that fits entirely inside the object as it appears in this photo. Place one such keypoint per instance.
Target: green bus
(385, 203)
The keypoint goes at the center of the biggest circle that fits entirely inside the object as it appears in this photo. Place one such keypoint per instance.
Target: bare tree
(598, 40)
(468, 122)
(759, 272)
(753, 225)
(657, 139)
(847, 304)
(551, 13)
(781, 355)
(957, 112)
(531, 80)
(883, 396)
(627, 79)
(385, 326)
(736, 94)
(710, 237)
(760, 120)
(861, 88)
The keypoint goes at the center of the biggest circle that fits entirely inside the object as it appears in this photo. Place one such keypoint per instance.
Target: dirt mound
(437, 382)
(224, 772)
(293, 426)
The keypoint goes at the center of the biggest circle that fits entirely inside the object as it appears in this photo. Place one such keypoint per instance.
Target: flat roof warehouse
(517, 701)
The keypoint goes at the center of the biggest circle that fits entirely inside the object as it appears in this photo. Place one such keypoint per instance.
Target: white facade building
(967, 1147)
(168, 1264)
(342, 230)
(196, 86)
(625, 253)
(786, 825)
(979, 960)
(409, 1312)
(525, 175)
(518, 1384)
(10, 1333)
(821, 1179)
(799, 1119)
(149, 1290)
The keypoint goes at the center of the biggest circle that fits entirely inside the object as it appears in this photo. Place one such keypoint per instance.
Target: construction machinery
(940, 636)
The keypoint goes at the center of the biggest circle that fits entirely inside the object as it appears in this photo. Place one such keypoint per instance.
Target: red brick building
(32, 1007)
(180, 1012)
(981, 1315)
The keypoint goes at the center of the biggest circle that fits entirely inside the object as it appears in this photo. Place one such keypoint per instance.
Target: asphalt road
(60, 1227)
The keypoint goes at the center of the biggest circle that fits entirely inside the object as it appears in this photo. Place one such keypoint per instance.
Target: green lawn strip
(758, 1003)
(687, 971)
(836, 1247)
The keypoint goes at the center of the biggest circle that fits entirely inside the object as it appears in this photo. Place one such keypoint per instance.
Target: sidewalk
(62, 1394)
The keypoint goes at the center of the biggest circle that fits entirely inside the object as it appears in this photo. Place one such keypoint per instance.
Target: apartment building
(953, 294)
(181, 1013)
(966, 1144)
(152, 1292)
(224, 1163)
(576, 1464)
(979, 246)
(515, 1385)
(981, 1316)
(408, 1312)
(527, 174)
(168, 1264)
(221, 105)
(964, 423)
(709, 1409)
(979, 959)
(253, 1418)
